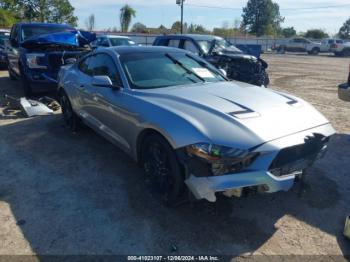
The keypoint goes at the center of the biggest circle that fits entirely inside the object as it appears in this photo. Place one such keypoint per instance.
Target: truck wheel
(162, 169)
(346, 52)
(26, 86)
(315, 51)
(11, 74)
(267, 79)
(70, 118)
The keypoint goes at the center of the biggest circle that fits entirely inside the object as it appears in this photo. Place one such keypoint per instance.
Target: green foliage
(6, 18)
(289, 32)
(51, 11)
(344, 31)
(126, 15)
(197, 29)
(316, 34)
(262, 17)
(139, 28)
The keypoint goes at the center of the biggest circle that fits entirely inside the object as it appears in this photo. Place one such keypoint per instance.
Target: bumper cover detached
(260, 173)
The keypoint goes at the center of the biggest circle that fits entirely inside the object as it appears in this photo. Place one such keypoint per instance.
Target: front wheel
(162, 169)
(70, 118)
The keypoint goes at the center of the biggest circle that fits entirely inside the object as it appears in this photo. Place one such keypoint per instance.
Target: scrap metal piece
(34, 108)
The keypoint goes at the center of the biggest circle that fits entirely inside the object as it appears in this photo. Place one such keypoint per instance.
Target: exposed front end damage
(278, 165)
(244, 68)
(45, 54)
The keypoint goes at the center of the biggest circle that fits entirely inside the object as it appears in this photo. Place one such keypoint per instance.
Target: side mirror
(103, 81)
(223, 71)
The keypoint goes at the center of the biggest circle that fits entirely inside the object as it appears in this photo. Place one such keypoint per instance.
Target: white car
(341, 49)
(112, 40)
(327, 43)
(4, 33)
(300, 45)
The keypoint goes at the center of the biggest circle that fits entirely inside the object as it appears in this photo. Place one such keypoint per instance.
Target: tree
(52, 11)
(288, 32)
(316, 34)
(197, 29)
(260, 17)
(90, 22)
(139, 28)
(6, 18)
(176, 27)
(344, 31)
(126, 15)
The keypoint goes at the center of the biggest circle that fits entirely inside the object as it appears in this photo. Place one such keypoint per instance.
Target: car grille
(294, 159)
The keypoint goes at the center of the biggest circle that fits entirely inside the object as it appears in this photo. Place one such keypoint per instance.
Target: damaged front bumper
(259, 174)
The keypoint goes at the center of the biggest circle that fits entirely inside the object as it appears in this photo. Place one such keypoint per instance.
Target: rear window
(32, 31)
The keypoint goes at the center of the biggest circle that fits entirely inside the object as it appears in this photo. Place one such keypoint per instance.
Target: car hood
(71, 38)
(237, 114)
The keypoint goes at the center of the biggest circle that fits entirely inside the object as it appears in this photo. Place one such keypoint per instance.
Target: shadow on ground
(78, 194)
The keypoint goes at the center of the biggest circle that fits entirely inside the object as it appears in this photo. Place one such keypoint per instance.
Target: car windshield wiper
(189, 71)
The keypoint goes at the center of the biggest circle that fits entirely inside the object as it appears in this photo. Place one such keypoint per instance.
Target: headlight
(220, 160)
(34, 61)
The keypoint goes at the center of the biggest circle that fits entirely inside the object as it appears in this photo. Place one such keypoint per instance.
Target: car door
(12, 49)
(105, 105)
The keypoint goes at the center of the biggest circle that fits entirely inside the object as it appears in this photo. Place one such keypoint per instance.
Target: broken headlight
(220, 160)
(36, 61)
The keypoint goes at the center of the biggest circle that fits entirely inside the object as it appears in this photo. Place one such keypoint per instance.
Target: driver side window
(103, 65)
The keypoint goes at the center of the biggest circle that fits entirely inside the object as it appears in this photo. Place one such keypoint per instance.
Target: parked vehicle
(344, 90)
(186, 124)
(221, 54)
(36, 52)
(3, 55)
(4, 33)
(326, 44)
(299, 45)
(112, 40)
(341, 49)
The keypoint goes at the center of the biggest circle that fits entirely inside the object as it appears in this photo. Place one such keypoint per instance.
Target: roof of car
(113, 36)
(144, 49)
(193, 36)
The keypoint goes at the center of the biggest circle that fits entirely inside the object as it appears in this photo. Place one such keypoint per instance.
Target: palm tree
(126, 15)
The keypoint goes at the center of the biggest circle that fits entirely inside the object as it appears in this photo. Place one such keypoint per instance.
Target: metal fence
(266, 43)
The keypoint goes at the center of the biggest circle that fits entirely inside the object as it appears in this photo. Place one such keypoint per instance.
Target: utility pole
(181, 4)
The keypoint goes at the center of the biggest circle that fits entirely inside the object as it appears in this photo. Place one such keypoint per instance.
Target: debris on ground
(50, 103)
(28, 107)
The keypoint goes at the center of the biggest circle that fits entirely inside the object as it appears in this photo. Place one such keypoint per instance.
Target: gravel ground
(64, 193)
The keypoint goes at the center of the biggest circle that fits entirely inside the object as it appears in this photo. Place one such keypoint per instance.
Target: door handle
(81, 88)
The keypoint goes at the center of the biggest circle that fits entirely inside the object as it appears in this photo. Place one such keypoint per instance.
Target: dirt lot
(64, 193)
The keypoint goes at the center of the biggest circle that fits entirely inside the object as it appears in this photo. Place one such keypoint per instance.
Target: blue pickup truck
(36, 51)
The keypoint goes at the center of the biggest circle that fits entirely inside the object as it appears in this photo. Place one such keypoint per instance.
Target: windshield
(121, 41)
(219, 44)
(31, 31)
(157, 70)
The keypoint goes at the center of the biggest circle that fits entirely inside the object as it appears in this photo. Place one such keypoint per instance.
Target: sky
(302, 14)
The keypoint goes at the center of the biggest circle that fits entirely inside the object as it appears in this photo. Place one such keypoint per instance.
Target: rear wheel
(162, 169)
(315, 51)
(70, 118)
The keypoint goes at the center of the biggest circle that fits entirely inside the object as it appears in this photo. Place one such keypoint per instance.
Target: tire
(11, 74)
(162, 169)
(346, 52)
(27, 89)
(267, 79)
(315, 51)
(70, 118)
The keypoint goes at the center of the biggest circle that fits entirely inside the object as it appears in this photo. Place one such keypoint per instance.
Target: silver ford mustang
(188, 126)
